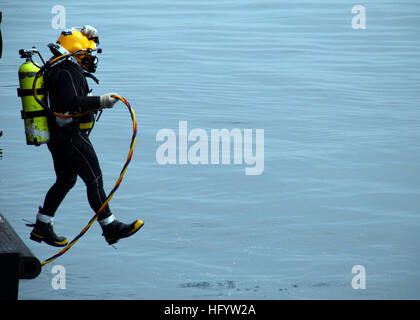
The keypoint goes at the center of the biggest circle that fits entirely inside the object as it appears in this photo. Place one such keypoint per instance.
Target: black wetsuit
(72, 152)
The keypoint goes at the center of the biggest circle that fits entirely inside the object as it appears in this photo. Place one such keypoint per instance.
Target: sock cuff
(107, 221)
(44, 218)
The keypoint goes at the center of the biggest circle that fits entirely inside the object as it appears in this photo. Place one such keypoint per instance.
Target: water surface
(340, 112)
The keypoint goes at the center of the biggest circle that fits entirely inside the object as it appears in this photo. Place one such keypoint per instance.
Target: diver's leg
(66, 178)
(87, 167)
(89, 170)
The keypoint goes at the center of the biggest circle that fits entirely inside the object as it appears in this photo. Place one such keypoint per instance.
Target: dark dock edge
(16, 261)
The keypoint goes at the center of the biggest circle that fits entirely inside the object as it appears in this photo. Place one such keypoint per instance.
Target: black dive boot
(117, 230)
(44, 232)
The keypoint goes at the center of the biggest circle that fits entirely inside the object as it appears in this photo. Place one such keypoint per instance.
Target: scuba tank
(33, 114)
(36, 111)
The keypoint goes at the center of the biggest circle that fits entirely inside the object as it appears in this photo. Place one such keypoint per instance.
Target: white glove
(107, 101)
(89, 31)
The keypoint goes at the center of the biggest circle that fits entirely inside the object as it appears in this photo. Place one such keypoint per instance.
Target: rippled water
(340, 112)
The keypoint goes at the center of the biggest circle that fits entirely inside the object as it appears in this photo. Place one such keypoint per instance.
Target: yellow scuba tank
(33, 114)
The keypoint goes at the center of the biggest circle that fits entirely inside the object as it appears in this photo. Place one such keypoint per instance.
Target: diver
(72, 152)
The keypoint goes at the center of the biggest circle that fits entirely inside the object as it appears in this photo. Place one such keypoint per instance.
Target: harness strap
(30, 92)
(33, 114)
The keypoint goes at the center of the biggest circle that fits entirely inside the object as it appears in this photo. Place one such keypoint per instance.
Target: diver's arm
(88, 103)
(69, 95)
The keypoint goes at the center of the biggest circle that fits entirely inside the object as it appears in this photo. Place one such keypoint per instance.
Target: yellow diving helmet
(74, 40)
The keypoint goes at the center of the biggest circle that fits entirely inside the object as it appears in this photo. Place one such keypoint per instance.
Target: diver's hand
(107, 101)
(89, 31)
